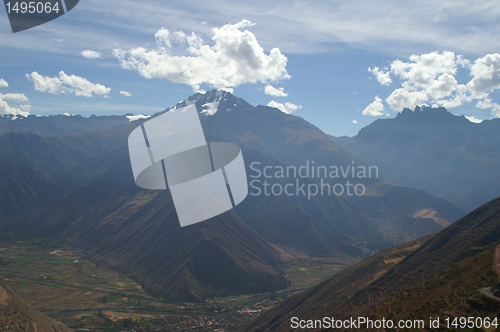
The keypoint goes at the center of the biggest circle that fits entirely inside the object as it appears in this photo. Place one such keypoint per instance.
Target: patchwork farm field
(59, 281)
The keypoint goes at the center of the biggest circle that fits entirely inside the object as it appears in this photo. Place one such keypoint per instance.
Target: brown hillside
(17, 315)
(346, 295)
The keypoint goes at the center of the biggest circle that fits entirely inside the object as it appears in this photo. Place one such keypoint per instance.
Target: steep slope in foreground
(461, 290)
(17, 315)
(137, 231)
(357, 290)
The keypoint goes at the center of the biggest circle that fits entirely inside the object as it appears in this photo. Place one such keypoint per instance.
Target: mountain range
(431, 149)
(60, 125)
(81, 188)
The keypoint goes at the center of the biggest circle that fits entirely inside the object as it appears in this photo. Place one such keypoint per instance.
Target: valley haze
(344, 166)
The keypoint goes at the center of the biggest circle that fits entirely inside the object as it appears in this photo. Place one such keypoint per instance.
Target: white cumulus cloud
(125, 93)
(91, 54)
(431, 79)
(235, 57)
(287, 108)
(486, 75)
(69, 84)
(376, 108)
(382, 77)
(276, 92)
(13, 96)
(355, 121)
(230, 90)
(5, 108)
(401, 98)
(487, 103)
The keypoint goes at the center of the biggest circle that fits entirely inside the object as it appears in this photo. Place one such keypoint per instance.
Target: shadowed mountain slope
(24, 187)
(36, 170)
(456, 291)
(59, 155)
(317, 226)
(357, 290)
(137, 231)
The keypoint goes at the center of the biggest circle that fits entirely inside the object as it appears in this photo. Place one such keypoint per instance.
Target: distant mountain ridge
(431, 149)
(60, 125)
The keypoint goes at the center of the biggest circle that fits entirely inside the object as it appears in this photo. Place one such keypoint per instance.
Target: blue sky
(142, 57)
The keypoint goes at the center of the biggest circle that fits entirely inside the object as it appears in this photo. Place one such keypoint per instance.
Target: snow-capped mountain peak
(211, 102)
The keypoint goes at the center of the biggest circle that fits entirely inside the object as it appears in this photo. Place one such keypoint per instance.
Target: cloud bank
(431, 79)
(69, 84)
(235, 58)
